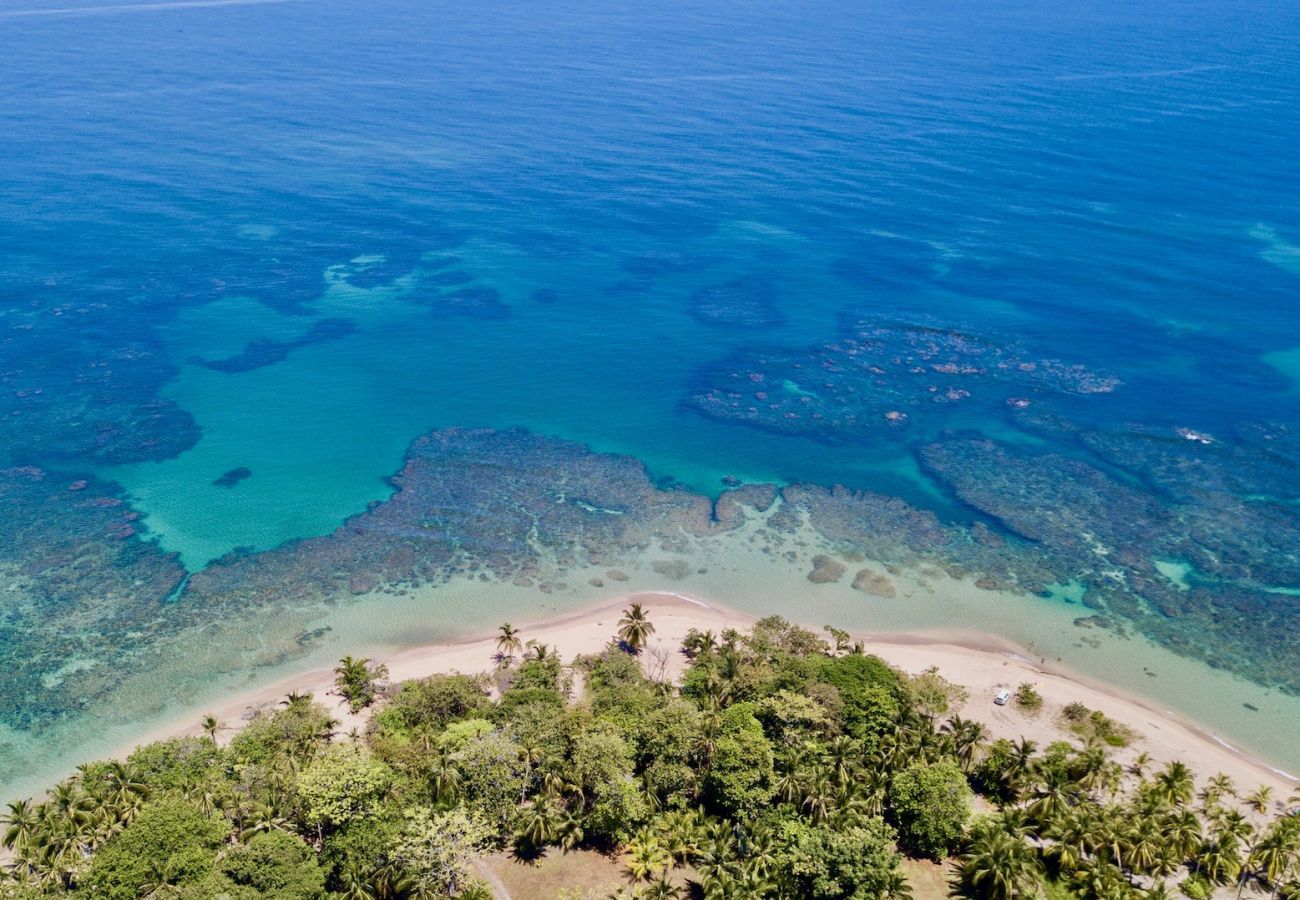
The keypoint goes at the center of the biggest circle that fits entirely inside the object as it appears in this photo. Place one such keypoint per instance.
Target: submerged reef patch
(85, 584)
(880, 375)
(269, 352)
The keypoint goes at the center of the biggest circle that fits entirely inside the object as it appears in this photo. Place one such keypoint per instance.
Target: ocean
(1022, 279)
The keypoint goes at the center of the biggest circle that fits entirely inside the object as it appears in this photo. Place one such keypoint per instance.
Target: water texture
(281, 282)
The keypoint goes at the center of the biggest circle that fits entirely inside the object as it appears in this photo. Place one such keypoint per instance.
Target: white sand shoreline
(980, 662)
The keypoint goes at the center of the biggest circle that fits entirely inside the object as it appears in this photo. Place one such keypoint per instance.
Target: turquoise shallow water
(284, 240)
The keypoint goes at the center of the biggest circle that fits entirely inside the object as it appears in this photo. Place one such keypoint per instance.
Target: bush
(931, 802)
(1027, 698)
(1196, 886)
(175, 764)
(739, 783)
(344, 784)
(171, 841)
(858, 862)
(432, 703)
(277, 866)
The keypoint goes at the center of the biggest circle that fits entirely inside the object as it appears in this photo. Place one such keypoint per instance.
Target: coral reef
(880, 376)
(269, 352)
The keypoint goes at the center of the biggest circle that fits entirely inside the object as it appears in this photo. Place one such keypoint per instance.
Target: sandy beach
(981, 663)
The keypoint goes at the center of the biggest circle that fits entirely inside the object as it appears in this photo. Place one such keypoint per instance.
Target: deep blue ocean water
(502, 212)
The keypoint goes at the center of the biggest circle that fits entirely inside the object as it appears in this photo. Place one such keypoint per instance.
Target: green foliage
(1092, 724)
(276, 866)
(176, 764)
(436, 850)
(600, 764)
(869, 695)
(459, 735)
(1197, 886)
(765, 776)
(670, 744)
(617, 688)
(740, 781)
(296, 732)
(433, 703)
(1028, 698)
(858, 862)
(933, 695)
(357, 680)
(540, 675)
(493, 776)
(344, 784)
(789, 718)
(361, 846)
(931, 803)
(171, 841)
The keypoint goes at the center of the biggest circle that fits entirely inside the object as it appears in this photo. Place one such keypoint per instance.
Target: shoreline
(980, 662)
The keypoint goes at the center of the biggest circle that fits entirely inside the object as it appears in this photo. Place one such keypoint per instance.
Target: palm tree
(635, 628)
(967, 737)
(210, 726)
(647, 859)
(819, 798)
(541, 824)
(530, 754)
(662, 889)
(20, 824)
(1216, 788)
(1138, 767)
(1220, 859)
(444, 777)
(1277, 852)
(508, 643)
(1259, 799)
(570, 831)
(1174, 784)
(997, 866)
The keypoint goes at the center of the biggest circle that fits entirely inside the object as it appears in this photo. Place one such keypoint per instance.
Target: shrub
(277, 866)
(931, 802)
(171, 841)
(1027, 698)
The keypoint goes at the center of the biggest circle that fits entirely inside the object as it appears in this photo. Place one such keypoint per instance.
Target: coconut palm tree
(966, 737)
(1174, 784)
(541, 824)
(1259, 799)
(1277, 852)
(1138, 767)
(1216, 788)
(508, 643)
(818, 797)
(997, 866)
(210, 726)
(662, 889)
(635, 628)
(444, 777)
(21, 822)
(531, 754)
(647, 859)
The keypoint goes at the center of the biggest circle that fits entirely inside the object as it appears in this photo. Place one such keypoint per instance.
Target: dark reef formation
(81, 589)
(232, 477)
(269, 352)
(97, 602)
(76, 383)
(879, 376)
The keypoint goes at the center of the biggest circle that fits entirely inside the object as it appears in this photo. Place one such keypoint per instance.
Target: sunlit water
(1107, 185)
